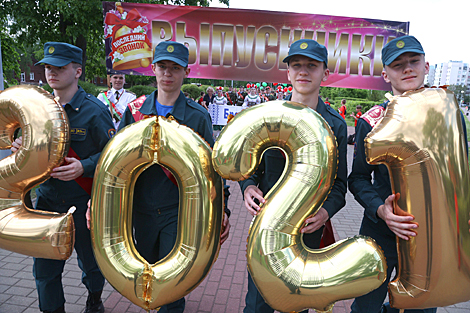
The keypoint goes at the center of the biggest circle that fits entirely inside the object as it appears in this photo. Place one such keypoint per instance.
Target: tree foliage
(10, 55)
(460, 93)
(34, 22)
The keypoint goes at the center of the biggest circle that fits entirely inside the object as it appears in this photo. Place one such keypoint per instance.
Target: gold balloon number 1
(290, 276)
(421, 141)
(46, 137)
(135, 148)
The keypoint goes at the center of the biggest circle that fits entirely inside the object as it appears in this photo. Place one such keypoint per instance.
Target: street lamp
(462, 96)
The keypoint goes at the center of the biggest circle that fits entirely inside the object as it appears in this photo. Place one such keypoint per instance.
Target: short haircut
(209, 88)
(76, 65)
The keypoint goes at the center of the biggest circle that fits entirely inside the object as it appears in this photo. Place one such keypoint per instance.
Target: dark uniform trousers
(48, 273)
(155, 238)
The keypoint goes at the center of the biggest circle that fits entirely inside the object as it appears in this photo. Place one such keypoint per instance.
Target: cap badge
(400, 44)
(51, 50)
(303, 45)
(170, 48)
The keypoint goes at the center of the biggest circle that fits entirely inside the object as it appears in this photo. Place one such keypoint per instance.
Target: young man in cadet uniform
(70, 184)
(117, 98)
(156, 197)
(306, 69)
(404, 68)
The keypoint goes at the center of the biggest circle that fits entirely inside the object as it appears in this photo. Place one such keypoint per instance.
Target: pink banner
(247, 45)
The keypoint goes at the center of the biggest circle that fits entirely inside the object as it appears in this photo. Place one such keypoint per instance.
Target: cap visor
(396, 55)
(54, 61)
(176, 60)
(308, 55)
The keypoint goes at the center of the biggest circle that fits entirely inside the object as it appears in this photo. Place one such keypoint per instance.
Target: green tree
(460, 92)
(73, 21)
(10, 55)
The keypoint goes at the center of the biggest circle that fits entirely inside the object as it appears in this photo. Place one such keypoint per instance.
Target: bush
(141, 90)
(351, 106)
(46, 87)
(193, 90)
(89, 87)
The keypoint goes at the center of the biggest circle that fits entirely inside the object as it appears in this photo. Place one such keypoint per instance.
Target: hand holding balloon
(15, 145)
(88, 214)
(251, 193)
(314, 223)
(400, 225)
(70, 171)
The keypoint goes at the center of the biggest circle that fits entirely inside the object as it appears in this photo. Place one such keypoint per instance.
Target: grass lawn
(350, 121)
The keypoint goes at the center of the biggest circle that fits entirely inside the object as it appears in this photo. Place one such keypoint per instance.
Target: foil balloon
(46, 138)
(135, 148)
(420, 139)
(290, 276)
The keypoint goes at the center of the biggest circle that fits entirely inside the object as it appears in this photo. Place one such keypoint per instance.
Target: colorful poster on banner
(236, 44)
(219, 113)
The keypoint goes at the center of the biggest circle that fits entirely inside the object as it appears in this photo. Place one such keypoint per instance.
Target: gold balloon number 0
(135, 148)
(290, 276)
(46, 138)
(421, 141)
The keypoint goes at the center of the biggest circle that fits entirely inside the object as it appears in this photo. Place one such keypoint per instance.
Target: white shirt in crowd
(120, 98)
(251, 101)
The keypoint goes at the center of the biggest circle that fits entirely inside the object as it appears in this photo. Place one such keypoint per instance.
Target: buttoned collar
(77, 99)
(114, 90)
(322, 109)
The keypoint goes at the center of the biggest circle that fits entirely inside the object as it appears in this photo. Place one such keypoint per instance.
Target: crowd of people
(156, 196)
(240, 97)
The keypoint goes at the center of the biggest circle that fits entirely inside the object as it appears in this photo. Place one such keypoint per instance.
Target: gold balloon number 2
(46, 137)
(290, 276)
(421, 141)
(135, 148)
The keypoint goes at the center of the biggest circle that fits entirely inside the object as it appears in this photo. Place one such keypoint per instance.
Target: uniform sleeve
(102, 129)
(336, 199)
(101, 97)
(360, 178)
(205, 129)
(253, 180)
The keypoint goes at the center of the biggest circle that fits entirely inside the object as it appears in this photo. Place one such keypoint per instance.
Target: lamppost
(462, 92)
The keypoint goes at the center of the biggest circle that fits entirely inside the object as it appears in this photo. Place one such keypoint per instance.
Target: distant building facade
(450, 73)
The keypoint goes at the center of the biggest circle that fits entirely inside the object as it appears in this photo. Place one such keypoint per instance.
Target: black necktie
(117, 95)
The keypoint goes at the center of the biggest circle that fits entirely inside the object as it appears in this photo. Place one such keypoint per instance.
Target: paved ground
(222, 291)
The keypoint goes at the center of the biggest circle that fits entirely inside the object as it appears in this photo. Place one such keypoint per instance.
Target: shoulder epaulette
(374, 115)
(130, 92)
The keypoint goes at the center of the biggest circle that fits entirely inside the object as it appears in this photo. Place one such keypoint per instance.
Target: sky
(441, 26)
